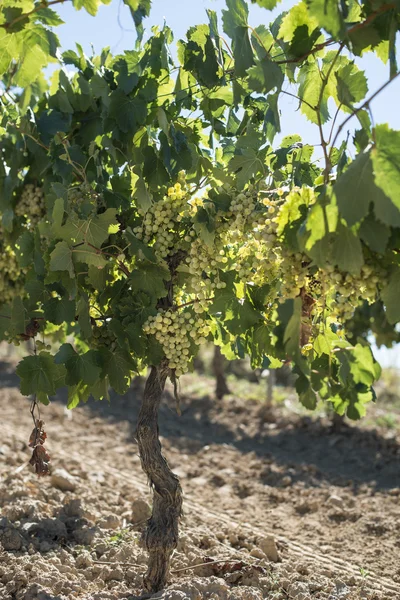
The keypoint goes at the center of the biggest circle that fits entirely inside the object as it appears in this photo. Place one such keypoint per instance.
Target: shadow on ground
(351, 454)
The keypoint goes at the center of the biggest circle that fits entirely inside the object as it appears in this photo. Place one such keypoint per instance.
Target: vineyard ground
(329, 500)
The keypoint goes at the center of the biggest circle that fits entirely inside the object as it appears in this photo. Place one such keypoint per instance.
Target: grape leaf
(80, 367)
(328, 15)
(374, 234)
(118, 366)
(150, 278)
(59, 310)
(354, 189)
(101, 226)
(390, 296)
(40, 374)
(386, 162)
(61, 259)
(347, 251)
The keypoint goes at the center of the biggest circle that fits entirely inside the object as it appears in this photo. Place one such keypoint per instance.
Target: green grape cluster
(160, 221)
(242, 206)
(203, 263)
(11, 274)
(294, 270)
(84, 200)
(348, 291)
(103, 338)
(177, 332)
(30, 204)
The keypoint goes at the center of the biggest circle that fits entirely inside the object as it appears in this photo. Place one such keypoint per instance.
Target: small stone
(61, 479)
(110, 522)
(83, 560)
(114, 575)
(141, 511)
(84, 536)
(257, 553)
(286, 481)
(233, 539)
(268, 546)
(342, 591)
(73, 507)
(298, 590)
(336, 501)
(10, 539)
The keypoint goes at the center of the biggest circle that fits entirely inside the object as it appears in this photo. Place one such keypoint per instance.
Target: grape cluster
(103, 338)
(348, 291)
(159, 222)
(177, 332)
(11, 274)
(203, 263)
(242, 207)
(31, 204)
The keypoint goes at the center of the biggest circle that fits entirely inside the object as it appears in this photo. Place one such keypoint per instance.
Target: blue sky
(113, 27)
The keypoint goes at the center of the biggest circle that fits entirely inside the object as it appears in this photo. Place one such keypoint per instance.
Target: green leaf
(59, 311)
(242, 51)
(18, 317)
(140, 193)
(100, 227)
(328, 15)
(310, 87)
(347, 251)
(386, 162)
(61, 259)
(91, 6)
(235, 16)
(76, 394)
(150, 278)
(374, 234)
(321, 221)
(265, 76)
(363, 367)
(90, 256)
(39, 374)
(246, 166)
(352, 85)
(154, 170)
(268, 4)
(97, 277)
(129, 113)
(81, 368)
(353, 190)
(390, 296)
(308, 398)
(119, 366)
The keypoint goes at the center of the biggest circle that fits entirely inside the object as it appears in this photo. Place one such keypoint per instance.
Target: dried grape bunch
(40, 458)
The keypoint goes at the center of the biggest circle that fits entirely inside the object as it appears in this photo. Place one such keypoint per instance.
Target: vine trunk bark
(218, 365)
(161, 535)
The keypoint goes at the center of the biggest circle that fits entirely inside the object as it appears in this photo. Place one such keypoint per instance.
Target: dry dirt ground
(277, 506)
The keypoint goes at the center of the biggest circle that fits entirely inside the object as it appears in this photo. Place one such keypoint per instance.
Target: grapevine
(147, 208)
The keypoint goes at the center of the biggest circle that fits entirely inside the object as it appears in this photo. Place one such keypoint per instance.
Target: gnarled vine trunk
(218, 365)
(161, 535)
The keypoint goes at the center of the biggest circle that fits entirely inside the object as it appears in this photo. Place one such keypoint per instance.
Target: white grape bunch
(30, 204)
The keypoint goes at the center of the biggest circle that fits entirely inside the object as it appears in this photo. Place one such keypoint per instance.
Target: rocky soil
(277, 505)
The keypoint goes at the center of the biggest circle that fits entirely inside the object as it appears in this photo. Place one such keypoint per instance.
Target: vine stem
(160, 537)
(324, 144)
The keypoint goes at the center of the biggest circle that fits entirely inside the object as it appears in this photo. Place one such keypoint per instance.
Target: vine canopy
(147, 207)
